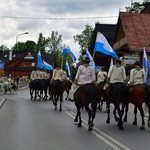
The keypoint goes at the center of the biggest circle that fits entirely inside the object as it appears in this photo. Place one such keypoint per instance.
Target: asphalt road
(34, 125)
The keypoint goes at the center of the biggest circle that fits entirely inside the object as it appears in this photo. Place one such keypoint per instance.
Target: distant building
(21, 63)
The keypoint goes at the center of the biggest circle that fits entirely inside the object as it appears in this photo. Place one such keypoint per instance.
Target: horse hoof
(75, 120)
(79, 126)
(134, 123)
(60, 110)
(121, 128)
(142, 127)
(107, 121)
(125, 119)
(116, 119)
(90, 128)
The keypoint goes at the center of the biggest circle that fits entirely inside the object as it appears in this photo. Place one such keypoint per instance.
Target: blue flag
(102, 45)
(1, 65)
(145, 64)
(39, 60)
(67, 50)
(47, 66)
(67, 68)
(92, 63)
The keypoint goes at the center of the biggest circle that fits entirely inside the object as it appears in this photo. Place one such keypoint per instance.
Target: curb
(2, 101)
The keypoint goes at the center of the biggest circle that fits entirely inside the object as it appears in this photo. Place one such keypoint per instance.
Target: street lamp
(16, 50)
(19, 35)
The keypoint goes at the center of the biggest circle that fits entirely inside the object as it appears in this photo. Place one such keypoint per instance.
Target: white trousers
(74, 87)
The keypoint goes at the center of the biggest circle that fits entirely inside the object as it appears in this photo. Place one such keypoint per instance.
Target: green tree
(136, 7)
(41, 43)
(19, 46)
(31, 45)
(84, 38)
(54, 43)
(4, 48)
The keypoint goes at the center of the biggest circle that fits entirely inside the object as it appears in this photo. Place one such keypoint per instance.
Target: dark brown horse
(56, 89)
(102, 95)
(67, 86)
(137, 95)
(117, 94)
(85, 95)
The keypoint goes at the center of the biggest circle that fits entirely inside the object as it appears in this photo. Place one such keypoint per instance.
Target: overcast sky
(45, 16)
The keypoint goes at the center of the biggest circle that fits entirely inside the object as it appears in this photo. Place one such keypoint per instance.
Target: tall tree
(84, 38)
(3, 48)
(41, 43)
(136, 7)
(31, 45)
(19, 46)
(54, 43)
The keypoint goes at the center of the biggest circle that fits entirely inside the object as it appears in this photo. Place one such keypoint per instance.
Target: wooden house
(21, 63)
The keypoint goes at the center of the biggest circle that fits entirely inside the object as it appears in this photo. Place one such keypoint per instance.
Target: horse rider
(102, 75)
(137, 75)
(85, 74)
(116, 74)
(57, 73)
(33, 75)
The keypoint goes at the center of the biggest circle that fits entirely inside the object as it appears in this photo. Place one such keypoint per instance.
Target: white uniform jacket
(116, 74)
(137, 76)
(85, 74)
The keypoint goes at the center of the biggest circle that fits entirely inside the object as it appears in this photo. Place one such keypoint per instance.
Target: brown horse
(137, 95)
(67, 86)
(56, 89)
(102, 95)
(85, 95)
(117, 94)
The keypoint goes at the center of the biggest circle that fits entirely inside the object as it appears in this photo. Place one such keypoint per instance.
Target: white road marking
(116, 145)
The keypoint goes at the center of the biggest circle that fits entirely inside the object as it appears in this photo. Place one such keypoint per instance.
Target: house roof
(4, 56)
(137, 30)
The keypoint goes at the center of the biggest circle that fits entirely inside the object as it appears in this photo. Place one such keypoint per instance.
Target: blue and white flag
(102, 45)
(1, 65)
(145, 64)
(39, 61)
(47, 66)
(67, 50)
(67, 68)
(92, 63)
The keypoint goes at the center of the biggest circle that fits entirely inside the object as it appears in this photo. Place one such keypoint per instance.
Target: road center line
(101, 135)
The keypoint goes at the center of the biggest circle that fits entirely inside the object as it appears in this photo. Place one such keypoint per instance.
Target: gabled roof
(137, 30)
(4, 56)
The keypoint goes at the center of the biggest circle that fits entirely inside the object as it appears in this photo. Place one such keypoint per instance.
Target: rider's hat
(85, 58)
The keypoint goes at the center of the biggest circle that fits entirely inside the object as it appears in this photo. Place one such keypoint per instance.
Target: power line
(56, 18)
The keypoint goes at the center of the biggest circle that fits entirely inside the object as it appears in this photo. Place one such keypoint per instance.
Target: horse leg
(94, 107)
(108, 112)
(126, 112)
(55, 102)
(142, 115)
(90, 121)
(79, 115)
(31, 93)
(135, 115)
(67, 91)
(115, 116)
(60, 107)
(120, 112)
